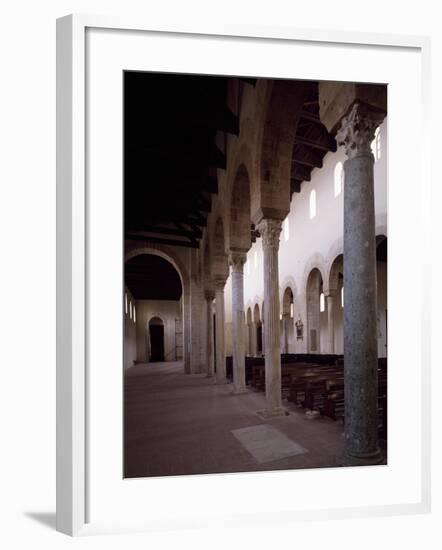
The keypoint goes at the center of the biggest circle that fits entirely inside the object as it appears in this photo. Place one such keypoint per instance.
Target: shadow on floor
(44, 518)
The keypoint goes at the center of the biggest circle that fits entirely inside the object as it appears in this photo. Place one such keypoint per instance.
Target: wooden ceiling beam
(330, 145)
(170, 242)
(179, 230)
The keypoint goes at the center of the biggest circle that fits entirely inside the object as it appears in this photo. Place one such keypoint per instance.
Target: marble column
(360, 344)
(209, 296)
(270, 230)
(237, 261)
(219, 331)
(331, 322)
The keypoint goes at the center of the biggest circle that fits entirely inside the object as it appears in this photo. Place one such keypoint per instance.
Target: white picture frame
(73, 301)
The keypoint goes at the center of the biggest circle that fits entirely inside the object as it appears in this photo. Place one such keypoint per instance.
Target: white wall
(313, 243)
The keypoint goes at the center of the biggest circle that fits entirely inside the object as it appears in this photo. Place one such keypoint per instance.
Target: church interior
(255, 274)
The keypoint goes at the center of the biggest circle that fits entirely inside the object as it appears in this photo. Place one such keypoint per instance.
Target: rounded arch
(155, 319)
(290, 283)
(287, 301)
(314, 289)
(164, 252)
(335, 273)
(240, 211)
(207, 263)
(318, 262)
(220, 267)
(249, 316)
(256, 314)
(284, 99)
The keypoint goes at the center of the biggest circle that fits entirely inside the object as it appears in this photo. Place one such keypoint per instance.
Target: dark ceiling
(170, 155)
(151, 277)
(175, 130)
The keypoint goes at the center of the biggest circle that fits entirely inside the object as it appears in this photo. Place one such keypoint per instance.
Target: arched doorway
(156, 339)
(156, 284)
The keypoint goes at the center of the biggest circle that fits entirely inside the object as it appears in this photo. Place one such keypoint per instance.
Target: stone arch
(287, 300)
(316, 261)
(207, 265)
(283, 103)
(336, 268)
(137, 248)
(289, 282)
(249, 315)
(220, 266)
(314, 288)
(256, 314)
(239, 212)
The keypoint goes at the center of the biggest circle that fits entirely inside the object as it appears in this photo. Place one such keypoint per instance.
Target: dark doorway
(156, 333)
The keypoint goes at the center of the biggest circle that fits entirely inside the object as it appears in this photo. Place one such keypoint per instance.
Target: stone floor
(186, 424)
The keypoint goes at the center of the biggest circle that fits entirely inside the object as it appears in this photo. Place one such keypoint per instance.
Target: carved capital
(357, 129)
(220, 283)
(270, 230)
(237, 261)
(209, 295)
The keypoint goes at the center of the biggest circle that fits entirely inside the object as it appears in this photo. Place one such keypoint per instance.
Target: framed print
(226, 300)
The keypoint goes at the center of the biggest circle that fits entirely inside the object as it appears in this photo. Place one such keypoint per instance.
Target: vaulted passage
(255, 274)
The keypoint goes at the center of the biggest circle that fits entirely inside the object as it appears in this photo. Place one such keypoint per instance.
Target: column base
(374, 458)
(210, 376)
(240, 391)
(276, 412)
(221, 381)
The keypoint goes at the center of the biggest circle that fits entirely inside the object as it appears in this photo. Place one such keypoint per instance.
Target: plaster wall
(316, 243)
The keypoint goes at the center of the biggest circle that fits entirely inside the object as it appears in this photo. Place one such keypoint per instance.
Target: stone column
(237, 261)
(360, 344)
(219, 330)
(331, 322)
(270, 230)
(209, 296)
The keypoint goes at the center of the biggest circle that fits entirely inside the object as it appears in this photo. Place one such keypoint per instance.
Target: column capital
(237, 260)
(270, 230)
(219, 283)
(357, 129)
(209, 295)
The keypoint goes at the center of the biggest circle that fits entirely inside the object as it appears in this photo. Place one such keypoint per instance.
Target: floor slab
(178, 424)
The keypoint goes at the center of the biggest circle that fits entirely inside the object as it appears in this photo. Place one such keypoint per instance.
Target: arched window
(312, 204)
(286, 228)
(376, 144)
(125, 302)
(342, 297)
(130, 309)
(339, 178)
(292, 309)
(321, 302)
(135, 315)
